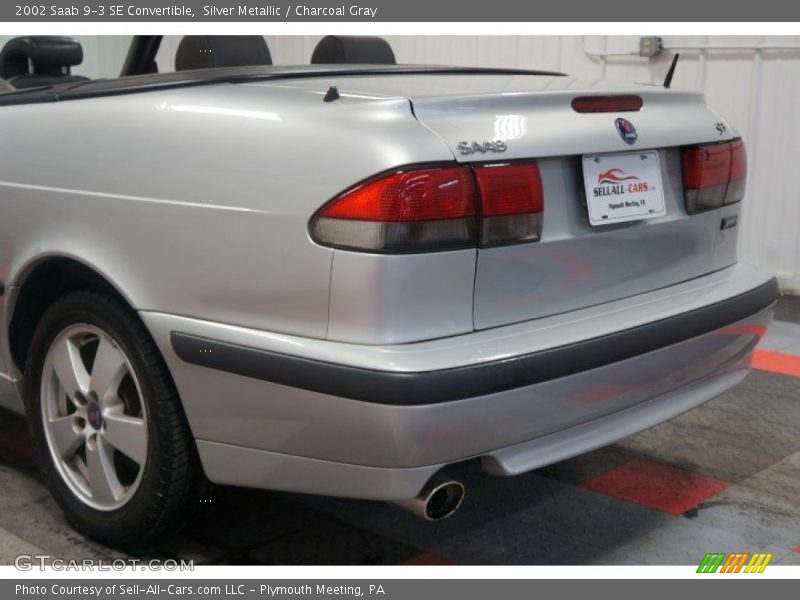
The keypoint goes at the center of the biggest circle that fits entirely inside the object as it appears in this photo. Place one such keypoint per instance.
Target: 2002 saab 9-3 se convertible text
(341, 278)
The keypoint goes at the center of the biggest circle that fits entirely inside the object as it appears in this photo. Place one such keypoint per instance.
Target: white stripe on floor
(12, 546)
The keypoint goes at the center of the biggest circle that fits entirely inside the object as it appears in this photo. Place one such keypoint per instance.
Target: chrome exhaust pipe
(439, 499)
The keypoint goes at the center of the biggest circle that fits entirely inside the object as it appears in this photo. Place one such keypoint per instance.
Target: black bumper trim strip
(430, 387)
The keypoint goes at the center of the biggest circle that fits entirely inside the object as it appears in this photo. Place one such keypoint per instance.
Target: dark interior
(40, 60)
(37, 69)
(351, 49)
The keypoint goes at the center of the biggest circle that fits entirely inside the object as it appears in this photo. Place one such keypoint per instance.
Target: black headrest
(209, 51)
(47, 53)
(353, 50)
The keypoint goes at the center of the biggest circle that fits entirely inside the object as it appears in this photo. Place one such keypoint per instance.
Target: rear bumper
(368, 422)
(469, 381)
(249, 467)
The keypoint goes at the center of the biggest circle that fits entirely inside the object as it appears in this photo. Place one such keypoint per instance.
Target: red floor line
(656, 485)
(777, 362)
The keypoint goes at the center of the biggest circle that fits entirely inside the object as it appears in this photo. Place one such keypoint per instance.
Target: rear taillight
(512, 203)
(738, 178)
(713, 175)
(599, 104)
(415, 210)
(435, 208)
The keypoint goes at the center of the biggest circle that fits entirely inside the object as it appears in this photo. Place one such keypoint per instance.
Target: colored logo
(626, 131)
(738, 562)
(615, 176)
(95, 416)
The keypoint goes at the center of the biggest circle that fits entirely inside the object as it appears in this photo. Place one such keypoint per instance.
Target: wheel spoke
(69, 367)
(108, 370)
(65, 438)
(102, 477)
(80, 465)
(128, 435)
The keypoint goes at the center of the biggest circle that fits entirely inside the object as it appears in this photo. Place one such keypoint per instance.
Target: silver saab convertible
(342, 277)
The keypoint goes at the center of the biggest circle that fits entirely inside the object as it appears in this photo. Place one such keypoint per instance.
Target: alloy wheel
(95, 419)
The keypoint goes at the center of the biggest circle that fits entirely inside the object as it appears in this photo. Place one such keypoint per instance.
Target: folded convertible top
(160, 81)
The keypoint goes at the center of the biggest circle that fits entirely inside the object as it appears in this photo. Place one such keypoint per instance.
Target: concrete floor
(722, 478)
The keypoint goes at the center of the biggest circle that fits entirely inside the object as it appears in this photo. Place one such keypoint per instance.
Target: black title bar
(396, 11)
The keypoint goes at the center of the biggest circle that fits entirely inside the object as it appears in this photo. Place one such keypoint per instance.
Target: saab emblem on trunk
(482, 147)
(626, 131)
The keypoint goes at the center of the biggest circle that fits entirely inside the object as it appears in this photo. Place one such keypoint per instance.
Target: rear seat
(33, 61)
(351, 49)
(213, 51)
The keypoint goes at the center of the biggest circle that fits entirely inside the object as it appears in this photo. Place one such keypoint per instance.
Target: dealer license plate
(623, 187)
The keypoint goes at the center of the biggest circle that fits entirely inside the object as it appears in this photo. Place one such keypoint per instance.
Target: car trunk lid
(578, 263)
(575, 264)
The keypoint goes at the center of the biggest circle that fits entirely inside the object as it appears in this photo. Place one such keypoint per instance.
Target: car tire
(117, 452)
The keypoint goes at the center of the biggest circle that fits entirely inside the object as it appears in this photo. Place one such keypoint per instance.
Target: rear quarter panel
(196, 201)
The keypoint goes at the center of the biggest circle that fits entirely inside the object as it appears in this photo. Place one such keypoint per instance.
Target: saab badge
(482, 147)
(626, 131)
